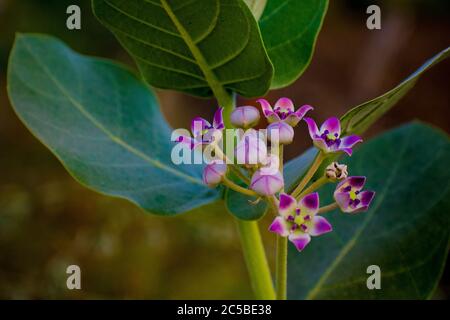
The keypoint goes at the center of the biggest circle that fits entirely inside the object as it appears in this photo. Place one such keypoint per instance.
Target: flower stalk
(309, 174)
(328, 208)
(252, 246)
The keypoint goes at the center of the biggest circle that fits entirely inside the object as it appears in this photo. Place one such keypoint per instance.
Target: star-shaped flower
(349, 196)
(284, 111)
(204, 132)
(328, 138)
(299, 220)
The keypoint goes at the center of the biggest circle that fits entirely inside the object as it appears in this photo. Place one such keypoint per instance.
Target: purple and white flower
(245, 117)
(204, 132)
(213, 173)
(284, 111)
(251, 149)
(299, 220)
(266, 184)
(328, 137)
(350, 198)
(280, 131)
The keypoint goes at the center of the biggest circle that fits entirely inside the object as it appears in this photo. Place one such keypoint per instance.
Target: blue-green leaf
(405, 232)
(103, 124)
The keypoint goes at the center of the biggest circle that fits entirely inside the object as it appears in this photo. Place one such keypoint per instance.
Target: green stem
(281, 268)
(329, 207)
(230, 184)
(313, 186)
(316, 164)
(252, 246)
(256, 260)
(281, 253)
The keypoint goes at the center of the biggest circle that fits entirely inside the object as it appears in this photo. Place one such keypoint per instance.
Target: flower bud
(267, 184)
(213, 173)
(245, 117)
(283, 132)
(336, 171)
(251, 149)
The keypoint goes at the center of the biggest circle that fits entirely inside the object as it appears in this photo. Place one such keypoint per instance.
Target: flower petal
(356, 182)
(218, 119)
(343, 200)
(348, 151)
(333, 125)
(199, 124)
(350, 141)
(301, 112)
(366, 197)
(299, 239)
(265, 106)
(283, 132)
(266, 184)
(280, 226)
(312, 127)
(321, 144)
(309, 203)
(320, 225)
(213, 173)
(287, 205)
(285, 104)
(294, 117)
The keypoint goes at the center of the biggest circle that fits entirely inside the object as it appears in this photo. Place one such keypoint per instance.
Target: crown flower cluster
(254, 167)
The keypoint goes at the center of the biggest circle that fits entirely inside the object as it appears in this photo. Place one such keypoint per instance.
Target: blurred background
(48, 221)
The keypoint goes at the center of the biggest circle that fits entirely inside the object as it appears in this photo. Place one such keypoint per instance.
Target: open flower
(245, 117)
(299, 220)
(214, 173)
(203, 132)
(283, 110)
(349, 196)
(328, 138)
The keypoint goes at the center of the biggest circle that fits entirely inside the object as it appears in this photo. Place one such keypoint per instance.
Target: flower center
(331, 138)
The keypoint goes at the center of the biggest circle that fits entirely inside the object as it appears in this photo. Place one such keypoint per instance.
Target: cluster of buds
(298, 214)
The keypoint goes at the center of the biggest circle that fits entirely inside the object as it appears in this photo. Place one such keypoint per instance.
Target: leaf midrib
(214, 83)
(98, 125)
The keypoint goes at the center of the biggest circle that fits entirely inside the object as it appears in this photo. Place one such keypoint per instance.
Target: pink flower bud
(245, 117)
(267, 184)
(251, 149)
(213, 173)
(281, 131)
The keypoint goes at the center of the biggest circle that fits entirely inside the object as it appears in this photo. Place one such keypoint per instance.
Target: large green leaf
(358, 119)
(200, 47)
(405, 232)
(290, 29)
(102, 123)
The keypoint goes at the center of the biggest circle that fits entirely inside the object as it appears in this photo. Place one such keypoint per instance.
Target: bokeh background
(48, 221)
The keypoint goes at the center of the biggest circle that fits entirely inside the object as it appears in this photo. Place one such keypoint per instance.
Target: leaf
(103, 124)
(290, 29)
(200, 47)
(239, 205)
(405, 232)
(256, 7)
(360, 118)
